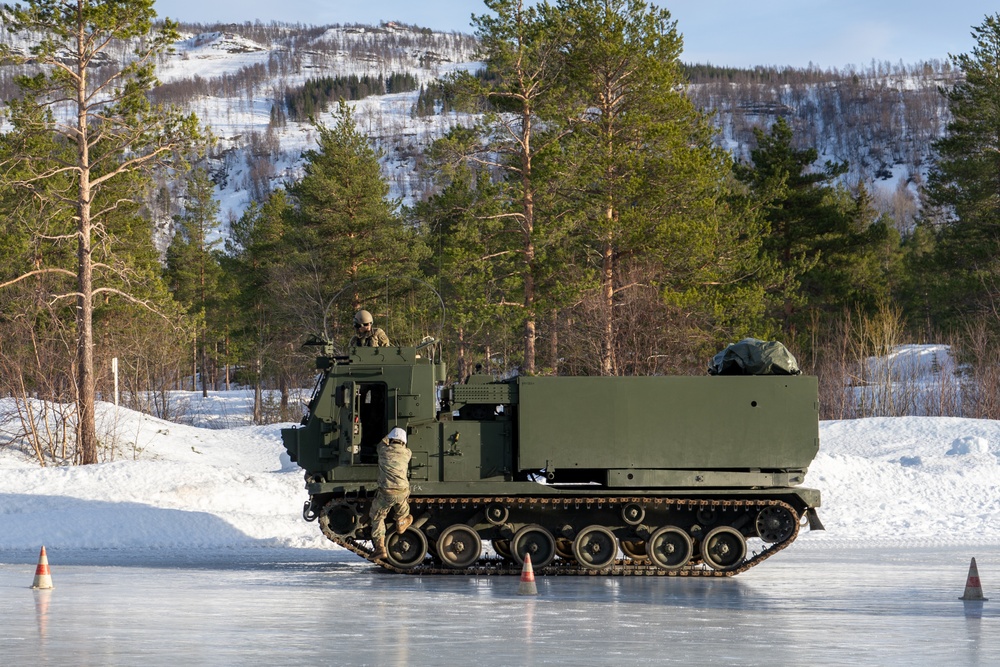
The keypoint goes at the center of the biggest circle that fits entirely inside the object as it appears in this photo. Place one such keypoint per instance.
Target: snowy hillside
(880, 119)
(247, 78)
(912, 480)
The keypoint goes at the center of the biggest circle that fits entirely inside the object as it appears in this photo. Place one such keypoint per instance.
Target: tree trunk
(194, 364)
(226, 352)
(85, 341)
(204, 369)
(461, 362)
(608, 308)
(554, 342)
(284, 393)
(258, 408)
(86, 395)
(528, 209)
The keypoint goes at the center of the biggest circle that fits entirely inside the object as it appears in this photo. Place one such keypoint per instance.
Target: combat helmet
(362, 317)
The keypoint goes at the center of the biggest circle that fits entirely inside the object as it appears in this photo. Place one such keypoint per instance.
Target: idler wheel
(723, 548)
(633, 514)
(775, 524)
(340, 518)
(670, 548)
(497, 514)
(595, 547)
(535, 540)
(459, 546)
(406, 550)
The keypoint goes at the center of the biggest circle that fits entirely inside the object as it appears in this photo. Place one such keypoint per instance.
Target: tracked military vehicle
(691, 476)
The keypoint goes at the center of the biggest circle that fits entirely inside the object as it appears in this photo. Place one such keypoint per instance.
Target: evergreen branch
(622, 288)
(66, 295)
(104, 102)
(129, 70)
(55, 101)
(59, 237)
(35, 273)
(112, 207)
(45, 175)
(128, 165)
(58, 64)
(484, 258)
(502, 216)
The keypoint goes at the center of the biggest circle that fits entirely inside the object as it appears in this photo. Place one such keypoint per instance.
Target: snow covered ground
(918, 481)
(190, 547)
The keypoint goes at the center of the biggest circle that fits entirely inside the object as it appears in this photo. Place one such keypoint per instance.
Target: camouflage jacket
(376, 338)
(393, 463)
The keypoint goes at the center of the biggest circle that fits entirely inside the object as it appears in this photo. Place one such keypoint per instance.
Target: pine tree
(254, 262)
(643, 180)
(105, 131)
(782, 177)
(472, 261)
(964, 185)
(833, 250)
(523, 50)
(348, 230)
(192, 266)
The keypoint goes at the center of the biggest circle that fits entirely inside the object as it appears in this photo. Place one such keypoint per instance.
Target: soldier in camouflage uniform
(393, 489)
(366, 334)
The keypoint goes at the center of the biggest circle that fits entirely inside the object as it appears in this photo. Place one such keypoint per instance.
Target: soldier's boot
(404, 523)
(380, 552)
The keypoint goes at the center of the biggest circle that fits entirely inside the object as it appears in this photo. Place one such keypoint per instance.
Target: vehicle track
(499, 566)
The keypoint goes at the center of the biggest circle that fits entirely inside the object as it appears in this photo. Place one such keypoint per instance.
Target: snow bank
(914, 480)
(179, 487)
(922, 480)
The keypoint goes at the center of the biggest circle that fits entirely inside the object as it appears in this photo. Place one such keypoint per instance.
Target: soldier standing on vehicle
(393, 489)
(366, 334)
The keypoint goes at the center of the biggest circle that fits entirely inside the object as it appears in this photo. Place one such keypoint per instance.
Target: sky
(220, 483)
(827, 33)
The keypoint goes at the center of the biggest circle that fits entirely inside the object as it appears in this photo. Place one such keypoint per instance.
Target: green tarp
(754, 357)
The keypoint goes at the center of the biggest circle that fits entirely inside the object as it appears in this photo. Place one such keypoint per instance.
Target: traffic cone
(973, 588)
(527, 586)
(43, 579)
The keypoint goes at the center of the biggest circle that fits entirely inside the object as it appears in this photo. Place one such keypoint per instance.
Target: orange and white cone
(43, 578)
(527, 586)
(973, 587)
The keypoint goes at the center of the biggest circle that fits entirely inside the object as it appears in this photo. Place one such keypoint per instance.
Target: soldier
(366, 334)
(393, 489)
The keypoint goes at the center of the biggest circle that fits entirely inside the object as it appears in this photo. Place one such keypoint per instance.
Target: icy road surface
(806, 606)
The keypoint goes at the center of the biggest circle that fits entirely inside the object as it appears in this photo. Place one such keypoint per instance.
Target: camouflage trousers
(383, 503)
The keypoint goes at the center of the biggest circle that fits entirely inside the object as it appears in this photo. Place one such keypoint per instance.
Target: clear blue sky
(828, 33)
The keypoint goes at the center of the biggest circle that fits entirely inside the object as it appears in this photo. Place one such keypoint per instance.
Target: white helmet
(397, 434)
